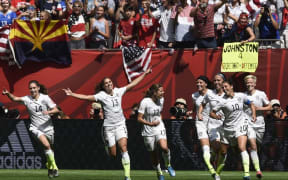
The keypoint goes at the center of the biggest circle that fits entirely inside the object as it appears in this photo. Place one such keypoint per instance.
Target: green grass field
(136, 175)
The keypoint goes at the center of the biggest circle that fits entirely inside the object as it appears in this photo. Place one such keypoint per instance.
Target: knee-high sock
(50, 159)
(221, 162)
(167, 158)
(126, 163)
(206, 157)
(245, 162)
(255, 160)
(158, 169)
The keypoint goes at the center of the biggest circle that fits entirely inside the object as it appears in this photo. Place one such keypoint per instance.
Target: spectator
(50, 6)
(60, 114)
(9, 114)
(99, 30)
(134, 111)
(163, 14)
(28, 14)
(76, 24)
(277, 112)
(179, 110)
(44, 15)
(148, 27)
(204, 21)
(128, 27)
(6, 14)
(241, 31)
(284, 23)
(219, 26)
(96, 111)
(184, 25)
(267, 22)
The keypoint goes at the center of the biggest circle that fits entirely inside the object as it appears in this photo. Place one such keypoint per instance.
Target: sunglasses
(77, 6)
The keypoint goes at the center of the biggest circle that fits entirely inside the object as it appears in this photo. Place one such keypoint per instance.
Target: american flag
(5, 50)
(136, 60)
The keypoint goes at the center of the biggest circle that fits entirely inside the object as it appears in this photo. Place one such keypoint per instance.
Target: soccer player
(153, 131)
(114, 126)
(235, 125)
(256, 130)
(202, 123)
(40, 108)
(214, 127)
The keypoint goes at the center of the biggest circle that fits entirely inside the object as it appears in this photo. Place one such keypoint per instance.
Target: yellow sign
(237, 57)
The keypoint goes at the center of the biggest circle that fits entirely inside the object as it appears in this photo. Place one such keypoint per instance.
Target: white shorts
(151, 142)
(215, 133)
(37, 133)
(202, 130)
(256, 133)
(230, 137)
(113, 134)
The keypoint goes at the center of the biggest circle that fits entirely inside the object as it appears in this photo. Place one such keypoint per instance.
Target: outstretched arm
(79, 96)
(11, 96)
(138, 80)
(51, 111)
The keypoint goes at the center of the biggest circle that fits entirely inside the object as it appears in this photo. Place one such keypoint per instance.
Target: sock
(206, 157)
(221, 162)
(245, 162)
(50, 159)
(126, 163)
(167, 158)
(158, 169)
(255, 160)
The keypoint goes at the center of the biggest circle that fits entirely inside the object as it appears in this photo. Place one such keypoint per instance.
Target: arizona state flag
(40, 41)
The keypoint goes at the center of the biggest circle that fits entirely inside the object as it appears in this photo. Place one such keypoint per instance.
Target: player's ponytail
(100, 86)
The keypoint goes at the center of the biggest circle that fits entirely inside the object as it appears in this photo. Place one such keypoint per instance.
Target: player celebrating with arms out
(40, 108)
(114, 121)
(235, 125)
(153, 131)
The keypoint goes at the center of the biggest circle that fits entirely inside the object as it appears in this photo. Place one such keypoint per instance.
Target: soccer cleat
(246, 178)
(259, 174)
(161, 177)
(55, 173)
(171, 171)
(50, 173)
(216, 176)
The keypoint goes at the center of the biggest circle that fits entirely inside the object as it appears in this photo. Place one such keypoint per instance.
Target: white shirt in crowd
(112, 106)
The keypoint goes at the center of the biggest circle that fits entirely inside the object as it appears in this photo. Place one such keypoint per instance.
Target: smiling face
(34, 90)
(250, 84)
(100, 11)
(77, 8)
(218, 82)
(5, 5)
(107, 85)
(228, 89)
(145, 5)
(201, 85)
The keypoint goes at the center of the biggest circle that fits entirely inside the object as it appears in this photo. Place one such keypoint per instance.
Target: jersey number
(235, 107)
(115, 102)
(243, 128)
(38, 108)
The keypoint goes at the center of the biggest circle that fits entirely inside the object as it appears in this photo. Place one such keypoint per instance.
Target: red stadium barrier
(177, 73)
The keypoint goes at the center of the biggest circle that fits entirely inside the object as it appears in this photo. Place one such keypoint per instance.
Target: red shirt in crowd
(128, 27)
(148, 25)
(14, 3)
(204, 22)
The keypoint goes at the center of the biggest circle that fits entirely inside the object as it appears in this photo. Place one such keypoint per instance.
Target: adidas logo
(18, 151)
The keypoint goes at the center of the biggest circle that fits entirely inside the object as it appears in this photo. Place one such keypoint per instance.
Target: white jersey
(112, 106)
(233, 110)
(36, 108)
(211, 99)
(198, 98)
(259, 99)
(152, 112)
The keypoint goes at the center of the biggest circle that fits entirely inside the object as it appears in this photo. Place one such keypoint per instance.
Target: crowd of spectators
(105, 24)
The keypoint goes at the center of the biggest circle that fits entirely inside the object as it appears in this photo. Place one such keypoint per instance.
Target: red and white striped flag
(5, 51)
(136, 60)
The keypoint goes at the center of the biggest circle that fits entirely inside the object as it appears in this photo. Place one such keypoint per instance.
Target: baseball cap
(275, 102)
